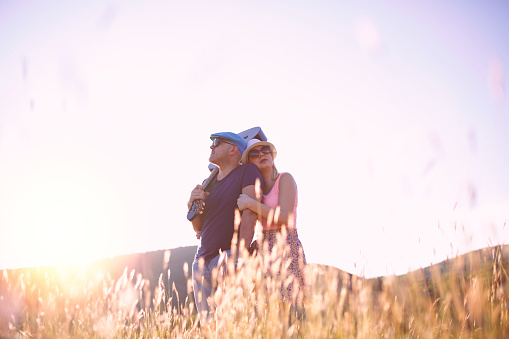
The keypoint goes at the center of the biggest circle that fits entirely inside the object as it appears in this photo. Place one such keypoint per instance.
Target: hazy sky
(393, 118)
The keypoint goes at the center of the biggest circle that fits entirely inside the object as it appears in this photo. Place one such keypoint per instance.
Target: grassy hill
(152, 266)
(146, 294)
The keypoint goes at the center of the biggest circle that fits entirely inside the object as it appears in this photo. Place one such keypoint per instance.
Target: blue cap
(234, 138)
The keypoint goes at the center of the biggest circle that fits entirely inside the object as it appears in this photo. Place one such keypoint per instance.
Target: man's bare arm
(197, 223)
(248, 220)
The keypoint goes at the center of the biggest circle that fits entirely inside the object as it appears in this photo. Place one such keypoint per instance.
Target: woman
(277, 211)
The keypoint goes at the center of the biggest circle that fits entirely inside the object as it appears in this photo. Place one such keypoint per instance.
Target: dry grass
(463, 298)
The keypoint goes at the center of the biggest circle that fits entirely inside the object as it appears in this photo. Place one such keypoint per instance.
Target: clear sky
(393, 119)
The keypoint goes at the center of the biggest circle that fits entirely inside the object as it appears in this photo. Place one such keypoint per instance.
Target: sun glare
(60, 212)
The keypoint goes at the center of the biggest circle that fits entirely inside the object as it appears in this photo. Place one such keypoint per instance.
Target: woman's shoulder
(286, 178)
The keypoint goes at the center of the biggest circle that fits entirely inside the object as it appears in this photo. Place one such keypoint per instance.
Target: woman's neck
(268, 181)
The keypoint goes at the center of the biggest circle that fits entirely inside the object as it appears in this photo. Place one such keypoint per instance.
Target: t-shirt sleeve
(250, 174)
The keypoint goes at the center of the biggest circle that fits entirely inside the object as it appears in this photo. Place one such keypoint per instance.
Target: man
(216, 225)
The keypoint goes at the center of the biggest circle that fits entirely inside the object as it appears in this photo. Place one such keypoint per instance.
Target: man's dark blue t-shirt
(219, 214)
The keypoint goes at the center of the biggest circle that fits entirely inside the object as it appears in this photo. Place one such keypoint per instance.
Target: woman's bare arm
(287, 196)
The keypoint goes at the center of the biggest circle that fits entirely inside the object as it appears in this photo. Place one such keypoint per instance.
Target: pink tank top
(272, 200)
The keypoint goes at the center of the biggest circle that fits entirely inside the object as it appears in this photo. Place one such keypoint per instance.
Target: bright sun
(60, 211)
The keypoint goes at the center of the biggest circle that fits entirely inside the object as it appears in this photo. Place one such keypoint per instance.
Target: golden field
(464, 297)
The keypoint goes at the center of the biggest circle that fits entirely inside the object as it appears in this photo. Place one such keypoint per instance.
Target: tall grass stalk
(461, 298)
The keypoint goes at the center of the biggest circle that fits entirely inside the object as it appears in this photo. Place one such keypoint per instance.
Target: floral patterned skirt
(292, 257)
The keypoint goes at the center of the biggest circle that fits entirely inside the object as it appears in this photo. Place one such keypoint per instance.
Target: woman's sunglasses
(255, 153)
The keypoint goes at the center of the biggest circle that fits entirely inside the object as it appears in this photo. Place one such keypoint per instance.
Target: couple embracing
(240, 166)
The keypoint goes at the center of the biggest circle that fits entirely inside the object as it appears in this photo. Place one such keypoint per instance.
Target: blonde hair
(275, 173)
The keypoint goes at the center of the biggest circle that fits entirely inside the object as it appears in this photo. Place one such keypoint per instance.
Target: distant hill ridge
(152, 265)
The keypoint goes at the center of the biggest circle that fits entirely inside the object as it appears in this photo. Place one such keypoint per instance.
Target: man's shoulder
(246, 167)
(242, 171)
(250, 169)
(249, 166)
(251, 176)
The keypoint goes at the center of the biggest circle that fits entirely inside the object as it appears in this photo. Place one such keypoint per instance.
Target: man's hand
(197, 193)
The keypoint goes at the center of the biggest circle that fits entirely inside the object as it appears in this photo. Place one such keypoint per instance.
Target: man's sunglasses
(255, 153)
(218, 141)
